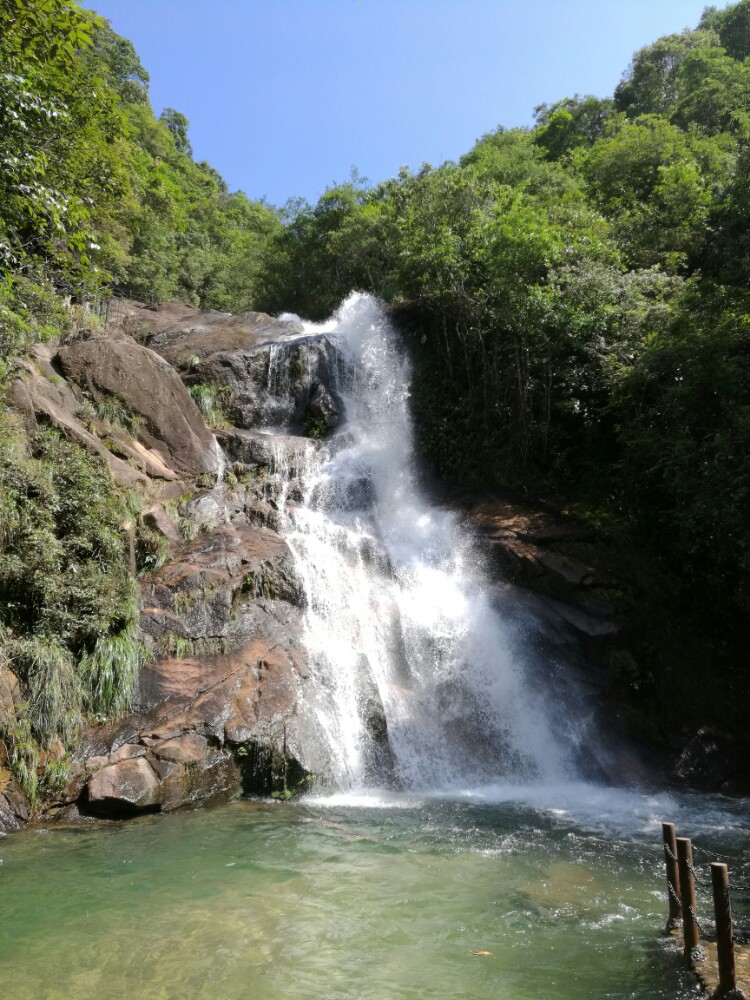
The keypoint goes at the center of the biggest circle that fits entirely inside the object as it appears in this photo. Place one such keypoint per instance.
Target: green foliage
(213, 402)
(22, 753)
(110, 671)
(48, 672)
(151, 549)
(178, 126)
(95, 191)
(55, 776)
(30, 311)
(574, 122)
(733, 27)
(68, 609)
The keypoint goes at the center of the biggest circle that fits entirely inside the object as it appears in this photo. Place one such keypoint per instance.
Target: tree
(178, 125)
(733, 27)
(575, 121)
(650, 86)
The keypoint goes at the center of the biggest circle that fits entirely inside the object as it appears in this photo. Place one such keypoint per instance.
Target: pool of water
(364, 897)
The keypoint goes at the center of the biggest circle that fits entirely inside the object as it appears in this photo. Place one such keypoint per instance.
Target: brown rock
(211, 780)
(184, 332)
(76, 783)
(97, 762)
(128, 751)
(8, 819)
(158, 520)
(129, 786)
(54, 402)
(150, 388)
(187, 749)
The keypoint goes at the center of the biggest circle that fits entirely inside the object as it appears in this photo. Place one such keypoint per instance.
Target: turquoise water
(358, 898)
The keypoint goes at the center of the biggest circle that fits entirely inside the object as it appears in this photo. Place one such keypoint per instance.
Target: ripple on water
(336, 899)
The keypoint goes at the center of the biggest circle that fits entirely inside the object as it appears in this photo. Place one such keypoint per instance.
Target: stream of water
(461, 854)
(402, 630)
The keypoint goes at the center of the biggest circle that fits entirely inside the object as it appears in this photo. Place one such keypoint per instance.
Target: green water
(371, 900)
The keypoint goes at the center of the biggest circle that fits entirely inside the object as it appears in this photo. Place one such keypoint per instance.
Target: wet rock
(14, 806)
(323, 415)
(355, 494)
(126, 787)
(518, 541)
(200, 594)
(711, 762)
(77, 777)
(210, 780)
(9, 822)
(369, 703)
(275, 452)
(272, 385)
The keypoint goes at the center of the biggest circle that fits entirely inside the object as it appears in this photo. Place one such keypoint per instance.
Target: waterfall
(419, 679)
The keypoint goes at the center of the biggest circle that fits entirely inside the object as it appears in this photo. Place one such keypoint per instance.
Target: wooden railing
(683, 918)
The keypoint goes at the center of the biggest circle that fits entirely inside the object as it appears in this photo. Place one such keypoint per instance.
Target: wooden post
(687, 896)
(724, 932)
(673, 875)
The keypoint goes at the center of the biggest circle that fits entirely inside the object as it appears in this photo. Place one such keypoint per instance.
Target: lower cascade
(419, 677)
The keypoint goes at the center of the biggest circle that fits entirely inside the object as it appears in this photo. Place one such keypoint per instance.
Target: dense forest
(575, 295)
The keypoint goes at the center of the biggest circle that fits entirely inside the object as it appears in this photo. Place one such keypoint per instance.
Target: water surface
(359, 897)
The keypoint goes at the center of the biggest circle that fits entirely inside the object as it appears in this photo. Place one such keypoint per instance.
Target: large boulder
(170, 423)
(43, 398)
(278, 453)
(127, 786)
(222, 708)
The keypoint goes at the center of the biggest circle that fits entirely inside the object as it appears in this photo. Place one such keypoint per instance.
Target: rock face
(711, 762)
(222, 708)
(129, 784)
(225, 704)
(183, 333)
(170, 424)
(526, 545)
(278, 384)
(43, 397)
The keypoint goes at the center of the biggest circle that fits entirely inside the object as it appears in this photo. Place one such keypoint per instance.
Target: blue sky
(285, 96)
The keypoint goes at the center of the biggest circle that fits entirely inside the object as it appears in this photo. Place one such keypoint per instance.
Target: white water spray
(401, 632)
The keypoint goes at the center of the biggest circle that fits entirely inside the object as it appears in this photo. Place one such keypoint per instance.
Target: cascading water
(415, 669)
(418, 685)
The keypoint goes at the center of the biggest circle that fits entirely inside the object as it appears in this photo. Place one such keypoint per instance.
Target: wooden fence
(722, 971)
